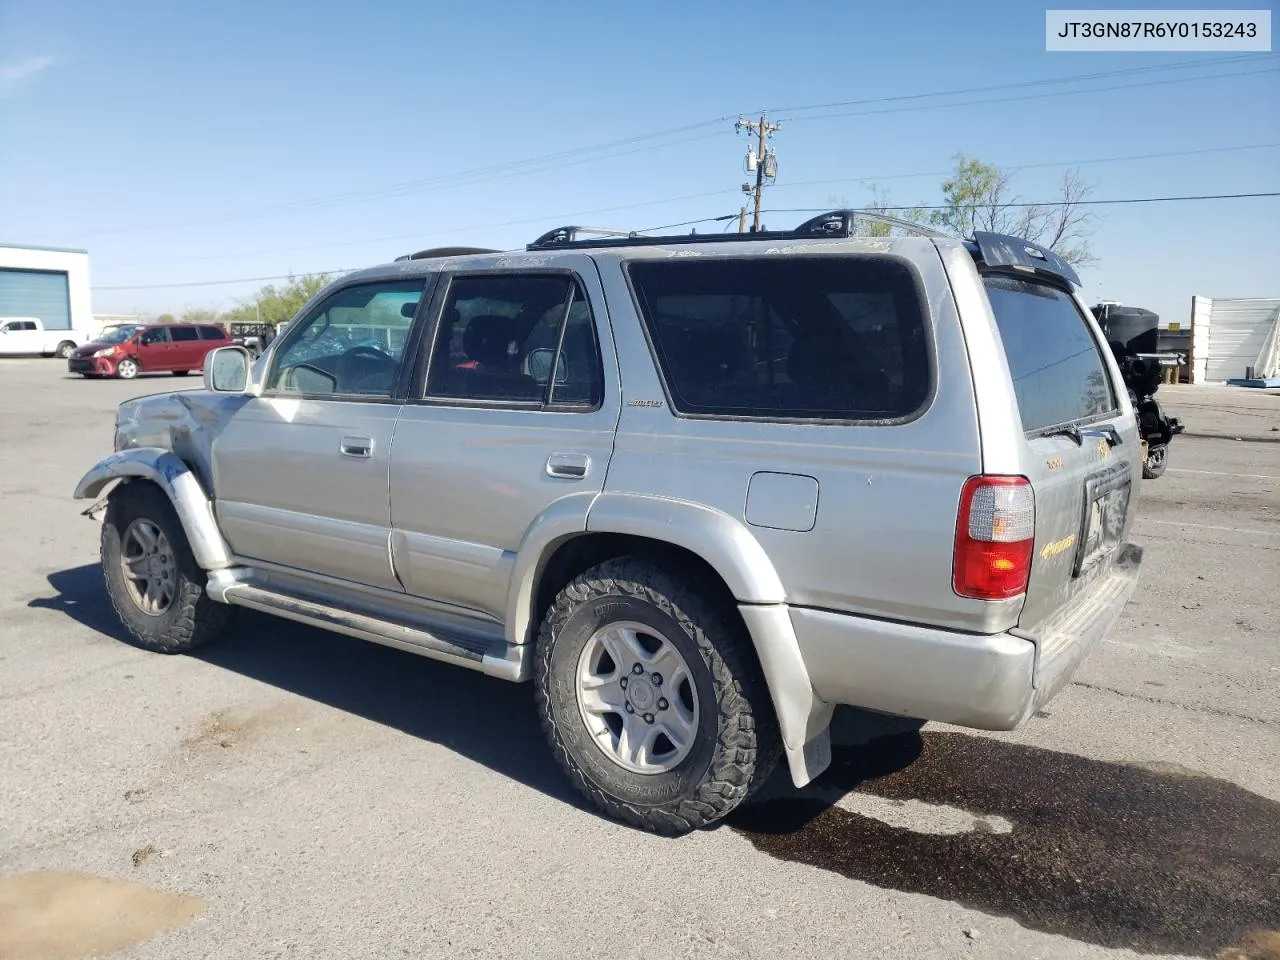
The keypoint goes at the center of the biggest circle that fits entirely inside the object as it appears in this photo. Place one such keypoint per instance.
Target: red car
(176, 348)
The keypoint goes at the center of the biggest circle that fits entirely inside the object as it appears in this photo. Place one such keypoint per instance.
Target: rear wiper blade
(1070, 430)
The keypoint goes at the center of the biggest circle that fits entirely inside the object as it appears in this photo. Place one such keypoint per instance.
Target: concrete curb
(1247, 438)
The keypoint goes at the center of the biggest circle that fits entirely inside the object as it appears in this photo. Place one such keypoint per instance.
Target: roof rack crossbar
(570, 234)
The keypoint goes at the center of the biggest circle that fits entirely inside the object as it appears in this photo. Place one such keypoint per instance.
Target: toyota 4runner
(698, 489)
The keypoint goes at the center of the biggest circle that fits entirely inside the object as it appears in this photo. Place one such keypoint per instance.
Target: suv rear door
(1081, 452)
(514, 413)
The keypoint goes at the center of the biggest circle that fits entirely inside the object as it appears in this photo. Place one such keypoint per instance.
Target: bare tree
(980, 196)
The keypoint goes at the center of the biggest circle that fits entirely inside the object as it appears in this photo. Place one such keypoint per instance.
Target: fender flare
(167, 471)
(733, 552)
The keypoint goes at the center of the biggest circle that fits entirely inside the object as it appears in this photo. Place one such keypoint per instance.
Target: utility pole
(763, 161)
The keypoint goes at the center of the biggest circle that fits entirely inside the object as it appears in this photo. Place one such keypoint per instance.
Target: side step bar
(495, 658)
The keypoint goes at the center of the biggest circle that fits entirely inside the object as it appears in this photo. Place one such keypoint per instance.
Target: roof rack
(436, 252)
(834, 224)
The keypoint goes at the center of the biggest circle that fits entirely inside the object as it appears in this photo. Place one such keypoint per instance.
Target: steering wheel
(352, 376)
(364, 350)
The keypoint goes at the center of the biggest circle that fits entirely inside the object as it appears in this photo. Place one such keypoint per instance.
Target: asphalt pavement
(293, 793)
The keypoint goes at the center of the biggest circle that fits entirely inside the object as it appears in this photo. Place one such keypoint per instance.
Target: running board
(494, 657)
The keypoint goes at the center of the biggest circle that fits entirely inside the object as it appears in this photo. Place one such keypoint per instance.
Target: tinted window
(30, 325)
(522, 339)
(211, 333)
(812, 337)
(154, 335)
(353, 343)
(1058, 374)
(183, 333)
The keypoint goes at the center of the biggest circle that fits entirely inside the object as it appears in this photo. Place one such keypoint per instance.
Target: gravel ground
(292, 793)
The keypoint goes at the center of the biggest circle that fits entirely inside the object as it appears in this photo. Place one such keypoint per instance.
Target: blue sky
(196, 141)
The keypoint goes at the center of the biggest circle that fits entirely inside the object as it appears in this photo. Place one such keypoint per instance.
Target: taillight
(995, 534)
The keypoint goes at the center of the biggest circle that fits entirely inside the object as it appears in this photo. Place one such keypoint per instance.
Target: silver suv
(698, 489)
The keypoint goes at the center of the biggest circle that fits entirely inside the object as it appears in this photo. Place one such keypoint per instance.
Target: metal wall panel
(1237, 330)
(43, 294)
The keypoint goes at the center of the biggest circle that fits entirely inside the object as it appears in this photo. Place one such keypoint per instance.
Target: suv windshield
(118, 335)
(1058, 373)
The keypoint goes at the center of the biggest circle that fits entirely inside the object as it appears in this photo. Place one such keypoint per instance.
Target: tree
(199, 315)
(277, 305)
(166, 318)
(980, 196)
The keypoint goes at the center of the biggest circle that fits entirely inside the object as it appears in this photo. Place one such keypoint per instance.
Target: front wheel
(153, 580)
(651, 697)
(127, 368)
(1157, 459)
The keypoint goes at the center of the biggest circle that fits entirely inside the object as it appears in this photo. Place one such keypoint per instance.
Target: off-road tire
(1154, 471)
(737, 741)
(192, 618)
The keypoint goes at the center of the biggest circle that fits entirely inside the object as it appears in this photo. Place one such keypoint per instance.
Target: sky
(185, 144)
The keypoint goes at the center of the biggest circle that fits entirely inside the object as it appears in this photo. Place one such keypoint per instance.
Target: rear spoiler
(999, 251)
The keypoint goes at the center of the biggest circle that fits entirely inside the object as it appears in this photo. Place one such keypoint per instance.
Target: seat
(491, 371)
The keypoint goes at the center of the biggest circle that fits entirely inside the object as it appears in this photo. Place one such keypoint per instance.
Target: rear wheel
(65, 349)
(1157, 459)
(155, 584)
(127, 368)
(651, 697)
(181, 373)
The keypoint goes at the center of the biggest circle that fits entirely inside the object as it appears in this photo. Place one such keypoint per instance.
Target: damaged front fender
(175, 478)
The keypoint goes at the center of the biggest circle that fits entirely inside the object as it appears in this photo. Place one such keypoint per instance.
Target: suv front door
(301, 470)
(516, 412)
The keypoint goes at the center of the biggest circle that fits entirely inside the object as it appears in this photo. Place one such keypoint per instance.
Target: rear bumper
(991, 682)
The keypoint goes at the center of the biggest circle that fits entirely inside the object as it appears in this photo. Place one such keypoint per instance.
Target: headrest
(492, 340)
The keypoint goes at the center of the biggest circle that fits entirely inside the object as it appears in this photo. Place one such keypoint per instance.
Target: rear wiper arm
(1070, 430)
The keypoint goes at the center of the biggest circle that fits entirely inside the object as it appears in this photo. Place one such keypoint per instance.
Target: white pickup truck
(27, 335)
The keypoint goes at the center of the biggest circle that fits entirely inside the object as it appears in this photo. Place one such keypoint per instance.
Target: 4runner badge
(644, 403)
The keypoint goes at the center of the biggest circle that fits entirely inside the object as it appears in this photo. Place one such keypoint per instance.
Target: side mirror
(226, 370)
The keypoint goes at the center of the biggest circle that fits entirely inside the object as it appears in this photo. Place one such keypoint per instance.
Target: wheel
(155, 585)
(1157, 460)
(181, 373)
(65, 349)
(127, 368)
(651, 697)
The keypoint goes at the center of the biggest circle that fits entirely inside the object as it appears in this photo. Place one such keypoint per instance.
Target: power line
(1073, 78)
(1038, 166)
(471, 227)
(1126, 200)
(1030, 96)
(552, 161)
(1050, 203)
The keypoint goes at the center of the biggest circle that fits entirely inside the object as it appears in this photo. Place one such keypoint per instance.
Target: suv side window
(211, 333)
(184, 333)
(827, 338)
(529, 340)
(352, 344)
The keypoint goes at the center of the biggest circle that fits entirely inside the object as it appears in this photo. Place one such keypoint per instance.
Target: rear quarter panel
(882, 534)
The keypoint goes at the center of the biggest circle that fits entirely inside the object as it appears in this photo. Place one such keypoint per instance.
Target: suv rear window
(1058, 373)
(834, 338)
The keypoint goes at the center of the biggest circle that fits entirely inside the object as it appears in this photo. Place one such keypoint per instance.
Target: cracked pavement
(291, 793)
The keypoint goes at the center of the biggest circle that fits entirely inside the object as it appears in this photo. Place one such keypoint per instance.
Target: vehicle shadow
(490, 721)
(1151, 857)
(1155, 858)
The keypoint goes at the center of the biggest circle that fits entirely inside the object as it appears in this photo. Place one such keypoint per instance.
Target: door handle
(358, 447)
(568, 466)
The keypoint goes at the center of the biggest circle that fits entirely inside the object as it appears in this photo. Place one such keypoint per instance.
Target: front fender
(170, 474)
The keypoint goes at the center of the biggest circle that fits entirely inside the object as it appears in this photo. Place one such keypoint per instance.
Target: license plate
(1106, 508)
